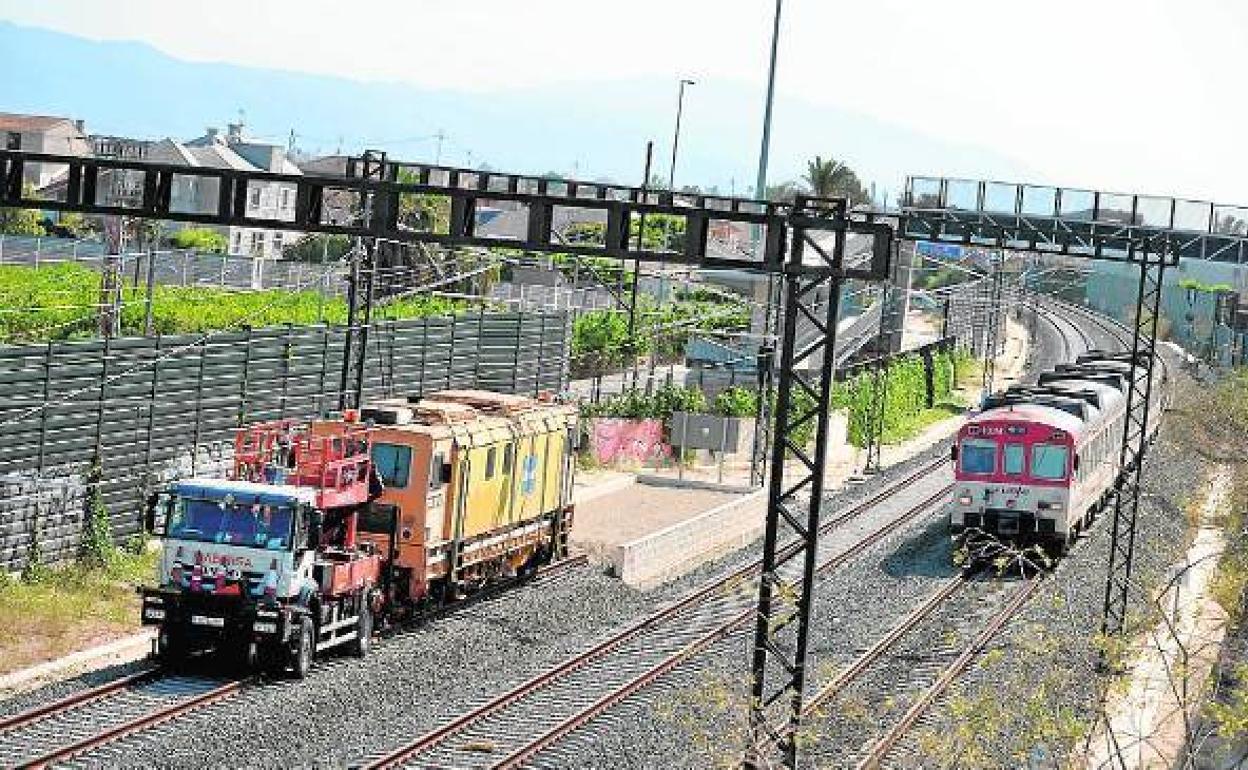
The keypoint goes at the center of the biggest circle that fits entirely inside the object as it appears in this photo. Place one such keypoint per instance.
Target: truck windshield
(212, 521)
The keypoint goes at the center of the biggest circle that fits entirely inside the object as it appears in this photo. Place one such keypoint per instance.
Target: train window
(435, 470)
(393, 463)
(507, 459)
(1048, 461)
(1012, 460)
(978, 456)
(491, 457)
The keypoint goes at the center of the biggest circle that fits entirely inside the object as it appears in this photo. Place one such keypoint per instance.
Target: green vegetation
(906, 412)
(1207, 288)
(21, 221)
(833, 179)
(601, 344)
(637, 404)
(318, 249)
(736, 402)
(59, 303)
(50, 612)
(199, 239)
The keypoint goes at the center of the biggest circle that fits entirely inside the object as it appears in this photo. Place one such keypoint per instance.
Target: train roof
(469, 416)
(1033, 413)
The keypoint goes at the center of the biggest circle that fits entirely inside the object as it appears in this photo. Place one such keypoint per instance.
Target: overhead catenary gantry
(803, 243)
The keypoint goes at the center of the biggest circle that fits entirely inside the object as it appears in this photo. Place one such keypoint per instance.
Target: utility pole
(641, 234)
(437, 157)
(680, 104)
(760, 186)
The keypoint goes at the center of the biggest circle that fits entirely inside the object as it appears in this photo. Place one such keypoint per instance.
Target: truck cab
(265, 565)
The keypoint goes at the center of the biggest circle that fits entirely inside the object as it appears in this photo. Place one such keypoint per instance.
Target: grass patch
(55, 611)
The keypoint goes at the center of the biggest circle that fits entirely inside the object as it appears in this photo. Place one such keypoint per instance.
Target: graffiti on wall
(618, 440)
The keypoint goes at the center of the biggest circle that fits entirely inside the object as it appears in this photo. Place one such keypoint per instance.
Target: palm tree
(831, 178)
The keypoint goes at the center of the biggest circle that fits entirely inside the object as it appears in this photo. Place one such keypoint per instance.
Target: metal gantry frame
(1153, 256)
(993, 322)
(1150, 232)
(879, 383)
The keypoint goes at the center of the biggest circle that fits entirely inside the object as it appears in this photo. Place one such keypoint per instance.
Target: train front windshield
(1048, 461)
(978, 456)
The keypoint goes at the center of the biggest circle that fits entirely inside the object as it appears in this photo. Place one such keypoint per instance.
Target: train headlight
(965, 500)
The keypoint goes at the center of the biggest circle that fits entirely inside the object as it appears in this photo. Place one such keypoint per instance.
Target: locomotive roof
(1033, 413)
(469, 416)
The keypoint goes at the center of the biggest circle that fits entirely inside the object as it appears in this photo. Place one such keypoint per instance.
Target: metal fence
(154, 409)
(177, 267)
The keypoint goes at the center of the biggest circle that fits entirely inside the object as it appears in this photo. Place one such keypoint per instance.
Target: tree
(318, 248)
(423, 211)
(199, 239)
(831, 178)
(783, 192)
(21, 221)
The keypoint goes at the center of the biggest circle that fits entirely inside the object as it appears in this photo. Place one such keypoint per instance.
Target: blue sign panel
(939, 250)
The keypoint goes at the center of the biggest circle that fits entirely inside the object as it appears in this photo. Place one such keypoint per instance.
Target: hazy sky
(1138, 95)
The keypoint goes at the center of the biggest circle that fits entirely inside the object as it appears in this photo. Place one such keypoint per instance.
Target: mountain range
(587, 130)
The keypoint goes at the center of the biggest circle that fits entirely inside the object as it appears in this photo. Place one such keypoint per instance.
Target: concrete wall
(680, 548)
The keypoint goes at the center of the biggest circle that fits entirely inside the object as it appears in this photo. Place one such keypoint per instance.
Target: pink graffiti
(614, 439)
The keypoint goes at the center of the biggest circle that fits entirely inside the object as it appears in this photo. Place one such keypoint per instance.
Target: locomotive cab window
(507, 459)
(491, 458)
(978, 456)
(1048, 461)
(393, 463)
(1012, 459)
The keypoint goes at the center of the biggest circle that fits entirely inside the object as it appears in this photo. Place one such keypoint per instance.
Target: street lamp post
(680, 103)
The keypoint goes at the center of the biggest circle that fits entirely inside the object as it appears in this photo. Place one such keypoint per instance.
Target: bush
(736, 402)
(199, 239)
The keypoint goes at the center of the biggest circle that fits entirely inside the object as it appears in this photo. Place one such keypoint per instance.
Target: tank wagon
(1037, 463)
(323, 526)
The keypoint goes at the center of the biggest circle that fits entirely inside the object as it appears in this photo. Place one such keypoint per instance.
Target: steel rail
(143, 722)
(77, 699)
(158, 716)
(615, 696)
(885, 745)
(440, 734)
(854, 670)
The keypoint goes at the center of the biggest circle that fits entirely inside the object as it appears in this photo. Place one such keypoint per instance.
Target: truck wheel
(170, 648)
(363, 632)
(305, 648)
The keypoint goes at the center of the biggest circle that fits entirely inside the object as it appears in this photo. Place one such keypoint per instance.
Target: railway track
(59, 731)
(516, 725)
(891, 750)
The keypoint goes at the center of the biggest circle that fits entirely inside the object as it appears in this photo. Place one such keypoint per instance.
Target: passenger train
(1037, 463)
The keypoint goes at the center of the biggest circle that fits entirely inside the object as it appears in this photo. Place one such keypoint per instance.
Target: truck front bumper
(208, 618)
